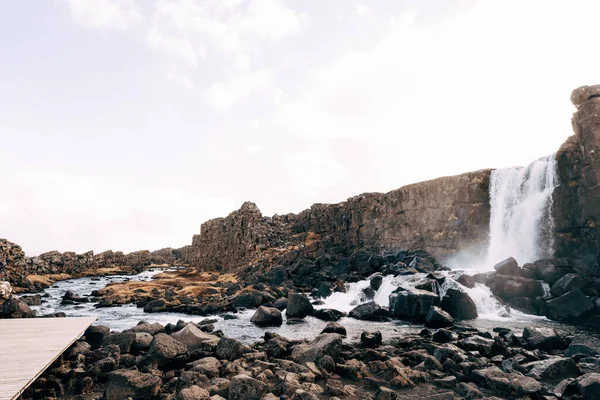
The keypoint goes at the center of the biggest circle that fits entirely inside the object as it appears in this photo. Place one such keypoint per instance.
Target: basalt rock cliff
(440, 216)
(576, 207)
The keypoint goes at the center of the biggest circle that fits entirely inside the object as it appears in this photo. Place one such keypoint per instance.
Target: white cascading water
(520, 227)
(521, 203)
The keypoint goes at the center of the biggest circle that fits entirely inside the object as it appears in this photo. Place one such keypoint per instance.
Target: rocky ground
(191, 361)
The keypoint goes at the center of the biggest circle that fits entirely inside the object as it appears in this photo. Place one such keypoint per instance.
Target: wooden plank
(29, 346)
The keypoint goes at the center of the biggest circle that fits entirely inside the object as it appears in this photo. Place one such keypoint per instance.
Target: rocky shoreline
(186, 361)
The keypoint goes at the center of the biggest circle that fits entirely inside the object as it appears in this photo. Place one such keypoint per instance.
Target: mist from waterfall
(521, 224)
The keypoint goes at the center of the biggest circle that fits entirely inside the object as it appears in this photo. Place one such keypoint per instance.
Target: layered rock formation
(16, 267)
(577, 200)
(440, 216)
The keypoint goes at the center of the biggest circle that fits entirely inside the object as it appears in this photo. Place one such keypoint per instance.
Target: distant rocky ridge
(17, 268)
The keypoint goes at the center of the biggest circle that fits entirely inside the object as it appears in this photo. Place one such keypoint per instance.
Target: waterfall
(521, 224)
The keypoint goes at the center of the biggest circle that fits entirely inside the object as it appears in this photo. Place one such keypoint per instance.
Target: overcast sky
(124, 124)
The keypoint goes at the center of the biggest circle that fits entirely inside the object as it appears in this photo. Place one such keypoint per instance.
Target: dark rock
(583, 344)
(570, 306)
(443, 336)
(459, 305)
(508, 267)
(412, 304)
(334, 327)
(328, 314)
(438, 318)
(375, 282)
(280, 304)
(370, 311)
(552, 369)
(243, 387)
(466, 280)
(324, 290)
(130, 383)
(483, 345)
(33, 300)
(208, 366)
(16, 308)
(96, 334)
(547, 271)
(158, 305)
(152, 329)
(371, 340)
(267, 316)
(298, 306)
(71, 298)
(230, 349)
(567, 283)
(589, 386)
(544, 339)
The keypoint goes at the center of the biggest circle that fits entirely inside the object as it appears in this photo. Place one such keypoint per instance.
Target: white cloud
(105, 15)
(173, 45)
(227, 93)
(362, 10)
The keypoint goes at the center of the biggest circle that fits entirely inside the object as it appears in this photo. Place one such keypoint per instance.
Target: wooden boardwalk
(29, 346)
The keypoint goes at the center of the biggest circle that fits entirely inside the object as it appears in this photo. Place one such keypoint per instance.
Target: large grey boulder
(567, 283)
(194, 338)
(570, 306)
(208, 366)
(438, 318)
(583, 344)
(16, 308)
(544, 339)
(508, 267)
(298, 306)
(243, 387)
(326, 344)
(459, 305)
(267, 316)
(552, 369)
(230, 349)
(412, 303)
(126, 383)
(165, 352)
(370, 311)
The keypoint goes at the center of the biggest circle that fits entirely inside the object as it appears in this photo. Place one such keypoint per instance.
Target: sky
(125, 124)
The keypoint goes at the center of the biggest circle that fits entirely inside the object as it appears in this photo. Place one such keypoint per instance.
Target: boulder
(325, 344)
(438, 318)
(459, 305)
(508, 267)
(71, 298)
(165, 352)
(193, 337)
(193, 393)
(547, 270)
(544, 339)
(267, 316)
(570, 306)
(506, 383)
(552, 369)
(334, 327)
(412, 303)
(157, 305)
(371, 340)
(478, 343)
(34, 300)
(466, 280)
(208, 366)
(280, 304)
(96, 334)
(589, 386)
(370, 311)
(375, 282)
(298, 306)
(230, 349)
(567, 283)
(509, 287)
(583, 344)
(243, 387)
(125, 383)
(16, 308)
(328, 314)
(152, 329)
(6, 290)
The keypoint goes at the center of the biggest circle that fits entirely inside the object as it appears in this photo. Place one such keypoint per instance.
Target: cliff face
(577, 199)
(440, 216)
